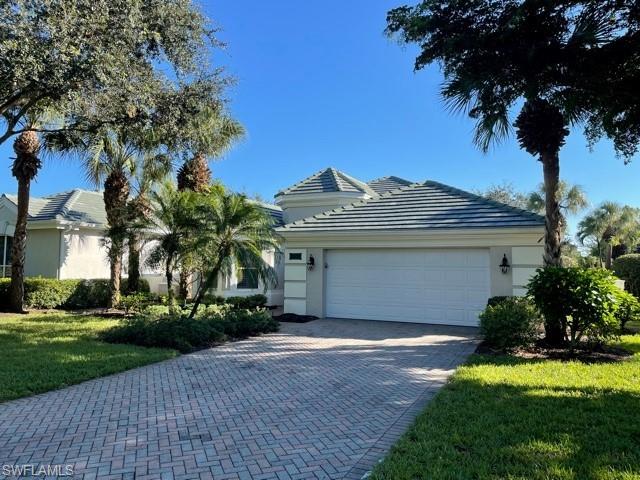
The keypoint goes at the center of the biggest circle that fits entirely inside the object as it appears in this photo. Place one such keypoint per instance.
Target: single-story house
(65, 240)
(396, 250)
(389, 249)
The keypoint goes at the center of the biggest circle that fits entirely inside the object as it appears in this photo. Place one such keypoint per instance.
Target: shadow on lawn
(482, 428)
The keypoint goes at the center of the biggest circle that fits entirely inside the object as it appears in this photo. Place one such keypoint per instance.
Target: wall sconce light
(504, 265)
(311, 262)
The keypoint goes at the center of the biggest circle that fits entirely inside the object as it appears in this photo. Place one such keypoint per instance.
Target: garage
(442, 286)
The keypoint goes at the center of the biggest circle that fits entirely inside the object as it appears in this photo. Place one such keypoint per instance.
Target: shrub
(212, 325)
(628, 309)
(582, 302)
(627, 267)
(493, 301)
(250, 302)
(72, 294)
(136, 302)
(512, 322)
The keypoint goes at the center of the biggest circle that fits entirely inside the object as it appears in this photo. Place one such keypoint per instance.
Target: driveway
(325, 399)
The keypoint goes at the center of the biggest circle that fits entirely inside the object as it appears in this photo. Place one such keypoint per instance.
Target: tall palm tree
(213, 132)
(148, 169)
(572, 199)
(177, 230)
(608, 225)
(238, 231)
(25, 168)
(109, 160)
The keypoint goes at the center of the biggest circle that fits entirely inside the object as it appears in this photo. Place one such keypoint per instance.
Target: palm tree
(149, 168)
(554, 61)
(238, 231)
(608, 225)
(572, 199)
(177, 230)
(213, 132)
(25, 168)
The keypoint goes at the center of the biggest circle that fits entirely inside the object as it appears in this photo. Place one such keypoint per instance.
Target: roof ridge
(288, 189)
(490, 201)
(357, 183)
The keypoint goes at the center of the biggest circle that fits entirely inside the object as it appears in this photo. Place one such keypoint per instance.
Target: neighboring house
(66, 241)
(395, 250)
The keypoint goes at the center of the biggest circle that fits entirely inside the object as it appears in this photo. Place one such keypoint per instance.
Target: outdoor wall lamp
(311, 262)
(504, 265)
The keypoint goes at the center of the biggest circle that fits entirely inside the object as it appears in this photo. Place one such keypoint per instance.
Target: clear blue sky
(320, 85)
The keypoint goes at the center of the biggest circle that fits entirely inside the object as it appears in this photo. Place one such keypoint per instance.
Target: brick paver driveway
(324, 399)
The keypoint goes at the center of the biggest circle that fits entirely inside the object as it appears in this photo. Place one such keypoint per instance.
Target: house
(389, 249)
(66, 241)
(395, 250)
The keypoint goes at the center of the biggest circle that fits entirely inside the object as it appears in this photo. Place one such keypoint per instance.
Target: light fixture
(311, 262)
(504, 265)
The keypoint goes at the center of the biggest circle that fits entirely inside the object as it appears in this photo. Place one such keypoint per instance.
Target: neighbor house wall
(43, 253)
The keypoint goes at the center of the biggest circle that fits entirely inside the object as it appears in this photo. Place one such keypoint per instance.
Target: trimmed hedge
(510, 323)
(250, 302)
(627, 267)
(69, 294)
(212, 326)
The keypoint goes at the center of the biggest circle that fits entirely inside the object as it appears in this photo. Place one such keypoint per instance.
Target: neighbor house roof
(274, 211)
(73, 206)
(428, 205)
(385, 184)
(326, 181)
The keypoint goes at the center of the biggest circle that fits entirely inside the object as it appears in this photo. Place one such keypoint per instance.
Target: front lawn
(41, 352)
(511, 418)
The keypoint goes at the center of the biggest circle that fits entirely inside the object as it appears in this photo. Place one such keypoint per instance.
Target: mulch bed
(293, 318)
(599, 354)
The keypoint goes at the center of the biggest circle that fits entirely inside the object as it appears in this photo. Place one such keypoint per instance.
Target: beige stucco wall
(83, 255)
(297, 207)
(43, 253)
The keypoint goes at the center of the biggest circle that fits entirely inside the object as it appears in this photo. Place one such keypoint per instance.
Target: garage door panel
(448, 286)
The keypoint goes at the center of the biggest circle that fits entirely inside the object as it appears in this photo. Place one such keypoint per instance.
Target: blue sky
(320, 85)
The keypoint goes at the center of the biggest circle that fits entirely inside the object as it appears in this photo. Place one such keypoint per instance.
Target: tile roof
(385, 184)
(274, 211)
(428, 205)
(74, 206)
(328, 180)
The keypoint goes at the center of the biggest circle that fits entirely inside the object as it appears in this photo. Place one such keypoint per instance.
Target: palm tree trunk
(184, 284)
(133, 284)
(609, 256)
(19, 248)
(115, 272)
(203, 287)
(168, 271)
(553, 215)
(554, 333)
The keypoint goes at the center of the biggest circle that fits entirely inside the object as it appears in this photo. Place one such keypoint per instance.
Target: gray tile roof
(428, 205)
(274, 211)
(385, 184)
(328, 180)
(74, 206)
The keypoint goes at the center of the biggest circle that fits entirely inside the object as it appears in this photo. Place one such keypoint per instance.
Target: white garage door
(447, 286)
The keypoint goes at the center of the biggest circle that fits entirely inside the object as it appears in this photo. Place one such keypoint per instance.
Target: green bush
(137, 302)
(628, 309)
(70, 294)
(250, 302)
(510, 323)
(627, 267)
(493, 301)
(213, 325)
(582, 302)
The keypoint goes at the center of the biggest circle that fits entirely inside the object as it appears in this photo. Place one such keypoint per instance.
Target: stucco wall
(43, 253)
(83, 255)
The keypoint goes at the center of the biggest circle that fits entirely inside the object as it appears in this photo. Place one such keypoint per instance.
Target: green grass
(510, 418)
(44, 352)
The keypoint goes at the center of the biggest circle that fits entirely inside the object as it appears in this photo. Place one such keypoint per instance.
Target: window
(295, 256)
(247, 278)
(5, 255)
